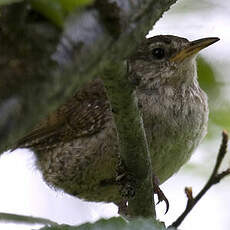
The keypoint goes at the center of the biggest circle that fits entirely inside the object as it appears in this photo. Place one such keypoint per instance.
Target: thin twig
(13, 218)
(214, 179)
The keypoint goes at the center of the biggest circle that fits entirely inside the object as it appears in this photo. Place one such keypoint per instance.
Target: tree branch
(87, 48)
(132, 140)
(42, 66)
(214, 179)
(13, 218)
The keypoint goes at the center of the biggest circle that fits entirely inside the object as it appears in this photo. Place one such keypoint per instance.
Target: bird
(77, 146)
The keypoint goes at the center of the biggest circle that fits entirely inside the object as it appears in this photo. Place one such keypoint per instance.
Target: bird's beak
(193, 48)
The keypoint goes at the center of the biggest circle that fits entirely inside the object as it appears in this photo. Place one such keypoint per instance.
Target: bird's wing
(83, 115)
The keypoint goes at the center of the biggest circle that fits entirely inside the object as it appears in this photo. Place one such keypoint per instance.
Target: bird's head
(166, 60)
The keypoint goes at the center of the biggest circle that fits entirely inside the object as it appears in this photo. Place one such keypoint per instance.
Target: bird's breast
(175, 122)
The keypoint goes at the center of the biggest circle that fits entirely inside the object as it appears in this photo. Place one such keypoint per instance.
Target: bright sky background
(24, 192)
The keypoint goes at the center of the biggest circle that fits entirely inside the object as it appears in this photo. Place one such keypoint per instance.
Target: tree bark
(41, 66)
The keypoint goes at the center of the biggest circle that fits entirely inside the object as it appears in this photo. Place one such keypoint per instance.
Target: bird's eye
(158, 53)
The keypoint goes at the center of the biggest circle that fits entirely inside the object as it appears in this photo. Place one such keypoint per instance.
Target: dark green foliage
(57, 10)
(207, 78)
(113, 224)
(5, 2)
(54, 10)
(218, 105)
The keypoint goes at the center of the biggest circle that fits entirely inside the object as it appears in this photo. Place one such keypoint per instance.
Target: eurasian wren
(76, 147)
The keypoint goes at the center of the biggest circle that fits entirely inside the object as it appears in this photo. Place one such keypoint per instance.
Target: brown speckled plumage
(77, 146)
(80, 133)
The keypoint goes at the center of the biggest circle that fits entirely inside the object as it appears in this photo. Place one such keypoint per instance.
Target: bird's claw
(160, 195)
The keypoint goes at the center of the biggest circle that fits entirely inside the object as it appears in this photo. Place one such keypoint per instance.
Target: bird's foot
(127, 190)
(122, 208)
(160, 195)
(125, 181)
(127, 185)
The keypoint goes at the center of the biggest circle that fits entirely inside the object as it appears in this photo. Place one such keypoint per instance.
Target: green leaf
(14, 218)
(57, 10)
(218, 105)
(221, 117)
(207, 78)
(70, 5)
(116, 223)
(5, 2)
(50, 9)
